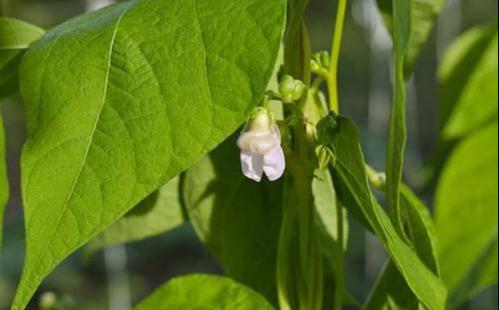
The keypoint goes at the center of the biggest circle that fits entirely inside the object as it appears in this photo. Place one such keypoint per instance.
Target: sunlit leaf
(15, 38)
(355, 194)
(159, 213)
(468, 82)
(204, 292)
(121, 100)
(466, 213)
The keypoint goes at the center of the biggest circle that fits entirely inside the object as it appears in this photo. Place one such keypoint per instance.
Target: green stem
(335, 56)
(340, 273)
(283, 276)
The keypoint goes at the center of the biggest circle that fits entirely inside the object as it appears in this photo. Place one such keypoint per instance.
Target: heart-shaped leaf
(121, 100)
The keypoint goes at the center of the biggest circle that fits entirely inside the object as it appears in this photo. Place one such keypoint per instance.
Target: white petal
(258, 142)
(274, 163)
(252, 165)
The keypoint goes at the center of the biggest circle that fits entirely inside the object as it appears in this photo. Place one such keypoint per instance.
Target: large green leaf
(468, 82)
(204, 292)
(423, 16)
(4, 184)
(354, 192)
(159, 213)
(397, 136)
(15, 37)
(466, 211)
(122, 100)
(238, 219)
(391, 290)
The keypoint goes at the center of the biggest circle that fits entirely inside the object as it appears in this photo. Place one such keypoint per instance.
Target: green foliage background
(83, 277)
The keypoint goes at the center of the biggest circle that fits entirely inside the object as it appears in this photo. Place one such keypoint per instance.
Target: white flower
(261, 150)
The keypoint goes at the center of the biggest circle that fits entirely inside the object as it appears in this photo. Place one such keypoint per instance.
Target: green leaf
(238, 219)
(354, 192)
(122, 100)
(467, 76)
(204, 292)
(423, 16)
(4, 182)
(159, 213)
(397, 129)
(466, 210)
(15, 38)
(391, 290)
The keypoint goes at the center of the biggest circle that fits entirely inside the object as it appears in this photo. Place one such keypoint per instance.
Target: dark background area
(134, 270)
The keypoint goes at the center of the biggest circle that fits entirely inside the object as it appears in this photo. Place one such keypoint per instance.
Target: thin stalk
(335, 56)
(340, 273)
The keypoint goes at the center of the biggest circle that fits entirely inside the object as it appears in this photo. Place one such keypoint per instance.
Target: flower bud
(291, 90)
(325, 156)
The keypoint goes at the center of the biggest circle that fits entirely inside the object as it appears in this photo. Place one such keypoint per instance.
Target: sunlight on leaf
(468, 82)
(204, 292)
(122, 100)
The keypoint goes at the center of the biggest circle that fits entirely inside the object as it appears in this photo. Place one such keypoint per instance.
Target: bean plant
(149, 113)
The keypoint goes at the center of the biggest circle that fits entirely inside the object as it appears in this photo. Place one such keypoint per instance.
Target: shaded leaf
(466, 210)
(159, 213)
(238, 219)
(121, 100)
(468, 82)
(15, 38)
(204, 292)
(354, 192)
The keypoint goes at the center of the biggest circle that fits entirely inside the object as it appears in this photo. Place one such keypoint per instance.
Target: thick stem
(335, 56)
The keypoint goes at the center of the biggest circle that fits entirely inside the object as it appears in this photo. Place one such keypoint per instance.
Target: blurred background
(118, 277)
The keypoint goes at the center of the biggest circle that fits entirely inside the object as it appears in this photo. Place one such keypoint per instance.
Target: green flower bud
(325, 156)
(291, 90)
(315, 67)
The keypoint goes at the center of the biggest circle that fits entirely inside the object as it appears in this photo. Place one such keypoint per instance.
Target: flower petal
(252, 165)
(274, 163)
(258, 142)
